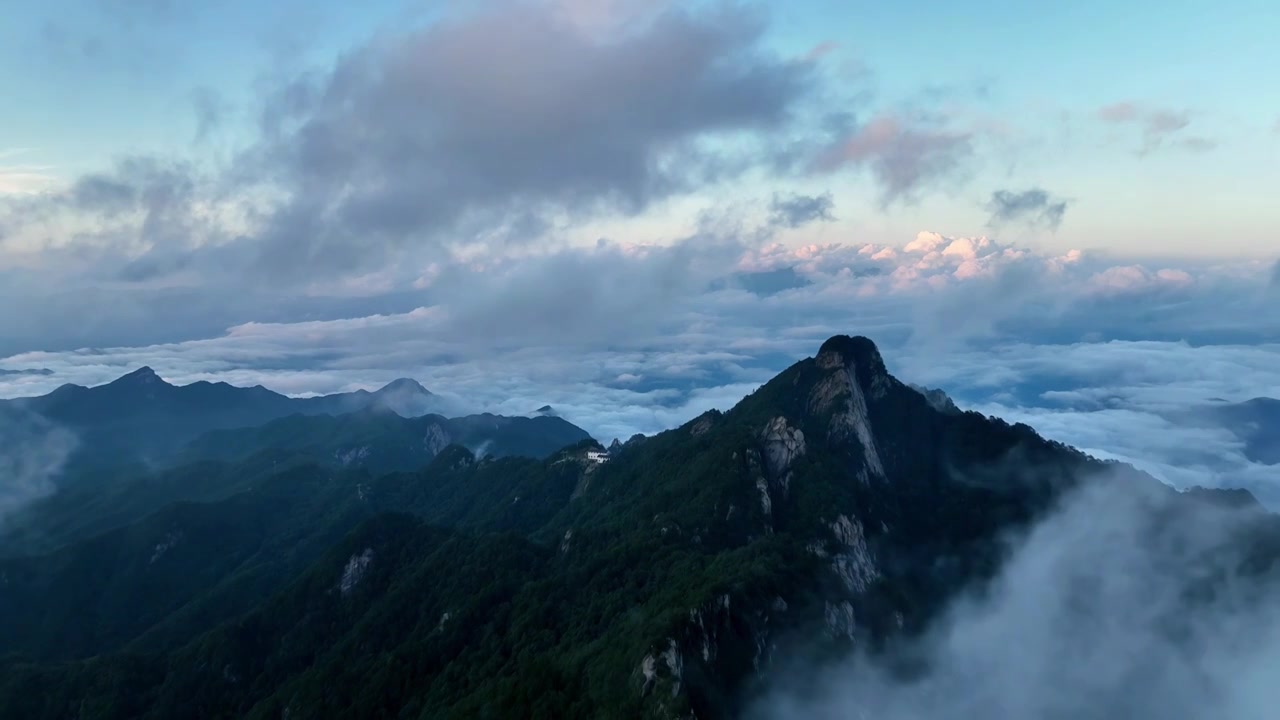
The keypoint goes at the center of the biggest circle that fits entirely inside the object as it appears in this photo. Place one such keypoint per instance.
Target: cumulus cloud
(32, 453)
(1095, 614)
(904, 157)
(1034, 207)
(1127, 279)
(606, 16)
(482, 129)
(434, 134)
(1160, 127)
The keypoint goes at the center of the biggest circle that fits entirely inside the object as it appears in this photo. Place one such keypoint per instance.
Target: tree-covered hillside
(834, 508)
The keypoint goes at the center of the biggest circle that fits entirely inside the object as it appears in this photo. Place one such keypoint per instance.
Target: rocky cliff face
(897, 498)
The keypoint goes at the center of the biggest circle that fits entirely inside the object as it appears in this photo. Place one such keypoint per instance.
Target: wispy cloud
(32, 454)
(904, 157)
(1160, 127)
(23, 179)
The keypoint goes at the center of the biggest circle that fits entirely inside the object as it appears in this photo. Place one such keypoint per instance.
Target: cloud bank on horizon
(1125, 361)
(637, 210)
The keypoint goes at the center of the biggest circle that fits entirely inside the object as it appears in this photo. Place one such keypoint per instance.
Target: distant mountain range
(141, 418)
(382, 441)
(833, 512)
(141, 442)
(141, 415)
(1257, 423)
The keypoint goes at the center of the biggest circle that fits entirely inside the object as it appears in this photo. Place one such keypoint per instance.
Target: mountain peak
(850, 346)
(143, 376)
(857, 352)
(404, 385)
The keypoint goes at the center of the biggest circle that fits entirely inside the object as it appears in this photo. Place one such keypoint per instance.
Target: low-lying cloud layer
(1093, 616)
(1116, 357)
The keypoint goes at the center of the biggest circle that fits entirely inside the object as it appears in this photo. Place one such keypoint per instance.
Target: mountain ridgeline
(140, 443)
(141, 417)
(835, 509)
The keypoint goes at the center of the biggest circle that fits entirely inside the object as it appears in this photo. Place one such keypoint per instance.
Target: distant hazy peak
(937, 398)
(143, 376)
(404, 385)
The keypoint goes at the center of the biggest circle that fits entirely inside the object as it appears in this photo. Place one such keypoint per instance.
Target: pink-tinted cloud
(1136, 278)
(902, 156)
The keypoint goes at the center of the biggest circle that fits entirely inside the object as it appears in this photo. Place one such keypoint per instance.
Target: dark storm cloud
(793, 211)
(1034, 207)
(474, 123)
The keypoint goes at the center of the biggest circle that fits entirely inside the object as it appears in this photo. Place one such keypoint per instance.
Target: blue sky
(88, 81)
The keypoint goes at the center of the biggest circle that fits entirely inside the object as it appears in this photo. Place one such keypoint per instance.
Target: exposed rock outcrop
(351, 456)
(840, 620)
(938, 400)
(850, 558)
(852, 370)
(354, 571)
(782, 444)
(435, 439)
(704, 423)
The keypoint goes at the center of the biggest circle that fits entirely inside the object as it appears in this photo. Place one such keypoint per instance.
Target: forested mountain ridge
(140, 416)
(834, 508)
(383, 441)
(140, 443)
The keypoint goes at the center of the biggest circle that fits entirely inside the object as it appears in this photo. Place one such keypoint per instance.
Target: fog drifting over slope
(32, 453)
(1090, 618)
